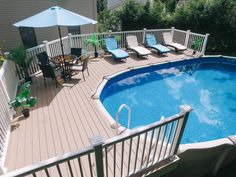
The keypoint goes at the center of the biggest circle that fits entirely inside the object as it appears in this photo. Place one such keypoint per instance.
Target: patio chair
(132, 43)
(112, 47)
(82, 67)
(49, 72)
(76, 52)
(48, 68)
(43, 58)
(152, 43)
(168, 41)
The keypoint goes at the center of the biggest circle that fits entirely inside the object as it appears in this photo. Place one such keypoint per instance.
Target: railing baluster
(174, 136)
(106, 161)
(144, 145)
(130, 149)
(70, 169)
(90, 165)
(150, 147)
(80, 168)
(168, 139)
(162, 141)
(34, 175)
(122, 158)
(114, 160)
(136, 155)
(59, 170)
(47, 172)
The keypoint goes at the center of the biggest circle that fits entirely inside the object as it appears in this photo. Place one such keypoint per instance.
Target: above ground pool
(207, 84)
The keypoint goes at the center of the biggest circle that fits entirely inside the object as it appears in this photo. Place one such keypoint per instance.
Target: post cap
(96, 140)
(185, 109)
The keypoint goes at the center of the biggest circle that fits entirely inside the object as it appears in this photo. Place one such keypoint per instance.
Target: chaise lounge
(132, 44)
(152, 43)
(112, 47)
(168, 40)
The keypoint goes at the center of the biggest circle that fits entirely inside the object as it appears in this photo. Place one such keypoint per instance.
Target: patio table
(65, 63)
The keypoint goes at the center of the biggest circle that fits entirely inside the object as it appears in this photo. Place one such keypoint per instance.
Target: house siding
(12, 11)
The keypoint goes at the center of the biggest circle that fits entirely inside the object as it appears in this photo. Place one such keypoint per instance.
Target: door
(28, 37)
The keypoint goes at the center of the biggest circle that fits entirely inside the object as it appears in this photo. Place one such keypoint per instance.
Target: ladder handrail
(118, 116)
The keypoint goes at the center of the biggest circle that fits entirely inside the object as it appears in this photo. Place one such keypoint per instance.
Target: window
(28, 37)
(74, 29)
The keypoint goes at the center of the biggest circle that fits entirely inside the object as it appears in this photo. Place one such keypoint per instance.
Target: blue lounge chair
(112, 47)
(152, 43)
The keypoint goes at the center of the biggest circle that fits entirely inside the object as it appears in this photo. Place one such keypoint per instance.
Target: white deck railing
(8, 88)
(136, 153)
(53, 48)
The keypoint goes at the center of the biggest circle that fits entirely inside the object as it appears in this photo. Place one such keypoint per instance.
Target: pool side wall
(197, 162)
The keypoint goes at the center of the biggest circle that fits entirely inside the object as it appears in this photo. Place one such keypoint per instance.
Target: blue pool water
(208, 86)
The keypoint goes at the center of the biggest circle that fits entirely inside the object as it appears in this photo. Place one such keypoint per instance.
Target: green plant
(23, 98)
(19, 56)
(94, 42)
(196, 44)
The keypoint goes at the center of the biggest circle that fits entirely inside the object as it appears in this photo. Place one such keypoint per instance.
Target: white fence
(53, 48)
(136, 153)
(8, 88)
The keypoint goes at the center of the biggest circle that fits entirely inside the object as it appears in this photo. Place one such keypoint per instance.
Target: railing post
(109, 32)
(172, 32)
(70, 40)
(144, 34)
(47, 48)
(187, 38)
(205, 44)
(185, 110)
(97, 143)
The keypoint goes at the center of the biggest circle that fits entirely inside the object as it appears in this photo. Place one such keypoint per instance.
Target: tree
(101, 5)
(216, 17)
(132, 16)
(108, 21)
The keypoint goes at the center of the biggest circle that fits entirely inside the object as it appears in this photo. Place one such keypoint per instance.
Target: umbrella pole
(62, 51)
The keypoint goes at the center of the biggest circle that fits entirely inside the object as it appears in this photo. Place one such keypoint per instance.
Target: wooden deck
(66, 117)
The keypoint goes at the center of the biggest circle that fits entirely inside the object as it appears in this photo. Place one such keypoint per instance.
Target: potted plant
(94, 42)
(24, 100)
(19, 56)
(195, 45)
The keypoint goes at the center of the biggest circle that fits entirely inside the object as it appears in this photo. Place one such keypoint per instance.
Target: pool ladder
(118, 116)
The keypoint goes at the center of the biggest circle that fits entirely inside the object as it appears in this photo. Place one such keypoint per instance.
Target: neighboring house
(12, 11)
(116, 4)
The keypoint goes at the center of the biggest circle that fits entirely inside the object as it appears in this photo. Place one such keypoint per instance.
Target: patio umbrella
(55, 16)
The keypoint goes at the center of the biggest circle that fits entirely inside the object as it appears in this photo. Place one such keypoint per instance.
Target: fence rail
(136, 153)
(8, 88)
(53, 48)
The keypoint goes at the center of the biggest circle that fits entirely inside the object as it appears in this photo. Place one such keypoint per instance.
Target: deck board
(66, 117)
